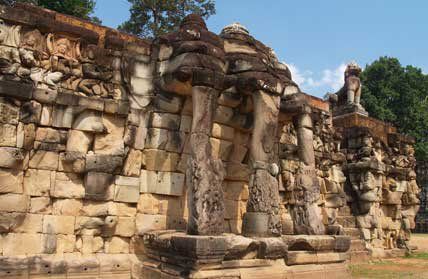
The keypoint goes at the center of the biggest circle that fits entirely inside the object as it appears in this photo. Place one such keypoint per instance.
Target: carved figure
(9, 54)
(351, 91)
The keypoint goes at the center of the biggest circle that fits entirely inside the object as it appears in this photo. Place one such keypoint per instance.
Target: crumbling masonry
(194, 155)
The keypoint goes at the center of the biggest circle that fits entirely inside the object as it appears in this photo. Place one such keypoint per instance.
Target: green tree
(151, 18)
(399, 95)
(78, 8)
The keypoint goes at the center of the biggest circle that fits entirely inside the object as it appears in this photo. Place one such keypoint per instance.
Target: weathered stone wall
(105, 137)
(422, 178)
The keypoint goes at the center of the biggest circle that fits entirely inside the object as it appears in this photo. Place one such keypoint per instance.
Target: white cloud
(330, 80)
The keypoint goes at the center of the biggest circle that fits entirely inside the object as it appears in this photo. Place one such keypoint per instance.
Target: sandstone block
(56, 224)
(9, 112)
(28, 223)
(92, 208)
(40, 205)
(72, 162)
(156, 138)
(62, 116)
(11, 157)
(25, 136)
(117, 245)
(44, 160)
(51, 135)
(11, 181)
(7, 135)
(30, 112)
(103, 163)
(46, 117)
(111, 142)
(160, 160)
(142, 87)
(221, 149)
(89, 121)
(96, 104)
(14, 203)
(132, 165)
(145, 223)
(98, 185)
(186, 123)
(65, 243)
(168, 103)
(38, 182)
(222, 132)
(22, 244)
(123, 209)
(127, 193)
(88, 244)
(165, 120)
(125, 227)
(239, 153)
(67, 185)
(237, 172)
(66, 207)
(79, 141)
(236, 190)
(148, 204)
(165, 183)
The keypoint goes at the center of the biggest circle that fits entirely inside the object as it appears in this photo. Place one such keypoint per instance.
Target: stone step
(359, 256)
(357, 245)
(347, 221)
(354, 233)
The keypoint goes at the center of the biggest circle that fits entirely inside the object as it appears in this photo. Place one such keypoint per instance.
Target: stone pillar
(262, 216)
(204, 173)
(306, 212)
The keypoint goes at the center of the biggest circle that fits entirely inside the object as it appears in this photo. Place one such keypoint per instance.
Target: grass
(422, 256)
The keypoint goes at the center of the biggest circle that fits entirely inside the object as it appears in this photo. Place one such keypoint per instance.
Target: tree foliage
(398, 94)
(151, 18)
(78, 8)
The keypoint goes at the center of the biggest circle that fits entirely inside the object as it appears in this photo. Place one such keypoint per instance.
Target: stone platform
(177, 255)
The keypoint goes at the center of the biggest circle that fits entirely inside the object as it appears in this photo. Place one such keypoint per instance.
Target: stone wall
(422, 178)
(105, 138)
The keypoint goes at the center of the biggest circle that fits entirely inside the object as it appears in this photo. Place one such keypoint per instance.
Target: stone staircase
(358, 251)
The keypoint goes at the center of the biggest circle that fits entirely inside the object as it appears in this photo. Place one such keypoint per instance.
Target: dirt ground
(413, 266)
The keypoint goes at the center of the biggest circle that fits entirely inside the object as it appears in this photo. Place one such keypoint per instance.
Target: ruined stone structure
(422, 180)
(194, 155)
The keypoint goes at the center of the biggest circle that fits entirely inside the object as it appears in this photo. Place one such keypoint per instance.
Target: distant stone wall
(422, 217)
(105, 137)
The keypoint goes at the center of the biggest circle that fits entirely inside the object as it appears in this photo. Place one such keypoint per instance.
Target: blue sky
(317, 37)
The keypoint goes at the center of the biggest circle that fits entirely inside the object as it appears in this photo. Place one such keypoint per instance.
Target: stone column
(306, 213)
(262, 217)
(204, 173)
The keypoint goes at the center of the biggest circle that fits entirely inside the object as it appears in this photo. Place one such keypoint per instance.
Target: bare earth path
(415, 266)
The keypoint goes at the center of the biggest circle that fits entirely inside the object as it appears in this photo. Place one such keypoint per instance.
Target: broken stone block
(30, 112)
(127, 193)
(145, 223)
(165, 183)
(40, 205)
(98, 185)
(160, 160)
(67, 185)
(117, 245)
(132, 165)
(14, 203)
(167, 121)
(111, 143)
(79, 141)
(11, 157)
(69, 207)
(7, 135)
(22, 244)
(11, 181)
(89, 121)
(37, 182)
(56, 224)
(103, 163)
(50, 135)
(44, 160)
